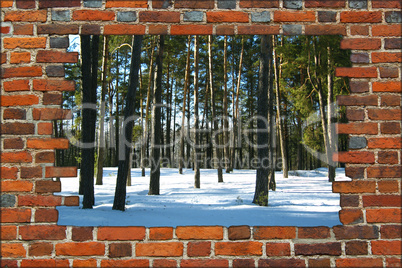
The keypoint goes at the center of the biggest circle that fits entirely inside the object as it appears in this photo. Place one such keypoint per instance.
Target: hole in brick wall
(305, 198)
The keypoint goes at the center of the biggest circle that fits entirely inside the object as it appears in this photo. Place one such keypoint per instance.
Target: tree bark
(156, 122)
(330, 115)
(123, 167)
(196, 150)
(226, 148)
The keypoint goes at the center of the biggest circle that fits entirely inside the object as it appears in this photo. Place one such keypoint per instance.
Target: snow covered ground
(304, 199)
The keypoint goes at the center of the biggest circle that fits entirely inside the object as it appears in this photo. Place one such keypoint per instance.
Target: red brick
(390, 128)
(370, 100)
(294, 16)
(164, 263)
(359, 30)
(358, 86)
(93, 15)
(19, 100)
(159, 16)
(44, 157)
(356, 232)
(80, 249)
(123, 29)
(203, 4)
(382, 201)
(240, 263)
(199, 249)
(89, 29)
(356, 248)
(281, 263)
(239, 232)
(357, 128)
(52, 99)
(355, 114)
(8, 232)
(127, 3)
(57, 57)
(47, 143)
(325, 30)
(161, 233)
(13, 250)
(16, 186)
(387, 157)
(272, 232)
(258, 4)
(384, 172)
(50, 114)
(82, 233)
(39, 200)
(387, 86)
(32, 71)
(199, 232)
(17, 128)
(384, 215)
(167, 249)
(16, 85)
(393, 262)
(381, 247)
(224, 29)
(44, 263)
(204, 263)
(319, 263)
(6, 3)
(15, 215)
(257, 29)
(250, 248)
(12, 113)
(324, 3)
(125, 263)
(389, 231)
(386, 30)
(42, 232)
(361, 43)
(313, 232)
(26, 16)
(331, 248)
(118, 250)
(53, 85)
(20, 57)
(351, 216)
(71, 200)
(26, 4)
(379, 57)
(40, 249)
(58, 3)
(361, 16)
(354, 157)
(15, 157)
(52, 172)
(8, 172)
(5, 29)
(85, 263)
(227, 16)
(47, 186)
(384, 143)
(45, 128)
(25, 29)
(60, 29)
(191, 29)
(46, 215)
(356, 72)
(3, 58)
(387, 4)
(121, 233)
(277, 249)
(390, 100)
(353, 187)
(158, 29)
(388, 186)
(358, 262)
(31, 172)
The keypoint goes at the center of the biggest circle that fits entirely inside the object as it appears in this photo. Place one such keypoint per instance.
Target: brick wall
(33, 49)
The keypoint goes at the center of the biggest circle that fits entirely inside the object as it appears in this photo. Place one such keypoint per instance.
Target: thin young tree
(123, 166)
(226, 149)
(156, 132)
(89, 50)
(196, 151)
(217, 151)
(264, 116)
(101, 132)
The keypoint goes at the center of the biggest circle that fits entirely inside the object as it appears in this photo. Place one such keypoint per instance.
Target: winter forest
(224, 103)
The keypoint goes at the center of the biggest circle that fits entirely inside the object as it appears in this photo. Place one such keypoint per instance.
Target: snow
(303, 199)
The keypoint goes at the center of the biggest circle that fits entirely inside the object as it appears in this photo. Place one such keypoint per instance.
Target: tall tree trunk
(330, 116)
(226, 148)
(156, 122)
(182, 131)
(277, 72)
(144, 157)
(215, 122)
(196, 150)
(123, 167)
(89, 67)
(264, 140)
(117, 119)
(101, 133)
(168, 112)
